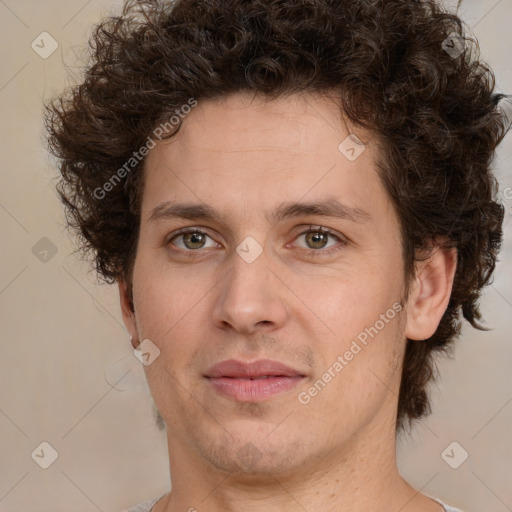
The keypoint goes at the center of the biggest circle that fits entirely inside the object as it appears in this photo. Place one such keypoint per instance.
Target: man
(295, 199)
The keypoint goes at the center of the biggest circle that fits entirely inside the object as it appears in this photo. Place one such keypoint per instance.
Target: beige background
(63, 341)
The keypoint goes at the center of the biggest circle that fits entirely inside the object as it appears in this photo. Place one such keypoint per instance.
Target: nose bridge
(250, 295)
(249, 268)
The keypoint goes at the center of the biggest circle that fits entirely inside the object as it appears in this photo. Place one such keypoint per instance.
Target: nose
(251, 298)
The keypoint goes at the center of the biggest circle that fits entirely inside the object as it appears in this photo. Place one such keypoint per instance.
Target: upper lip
(261, 368)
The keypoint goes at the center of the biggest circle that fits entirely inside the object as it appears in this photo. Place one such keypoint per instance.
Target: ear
(430, 292)
(127, 310)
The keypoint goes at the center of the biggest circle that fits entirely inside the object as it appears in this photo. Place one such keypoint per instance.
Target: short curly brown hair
(388, 62)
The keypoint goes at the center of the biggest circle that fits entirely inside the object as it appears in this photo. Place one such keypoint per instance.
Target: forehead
(299, 124)
(242, 152)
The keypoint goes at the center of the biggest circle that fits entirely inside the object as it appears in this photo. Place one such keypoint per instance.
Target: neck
(362, 475)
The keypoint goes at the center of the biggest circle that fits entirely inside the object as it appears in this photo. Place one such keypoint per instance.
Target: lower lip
(246, 390)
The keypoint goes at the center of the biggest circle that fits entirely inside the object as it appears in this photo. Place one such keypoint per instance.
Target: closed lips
(261, 369)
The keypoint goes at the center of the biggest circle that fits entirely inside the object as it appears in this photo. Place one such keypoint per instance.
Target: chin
(255, 455)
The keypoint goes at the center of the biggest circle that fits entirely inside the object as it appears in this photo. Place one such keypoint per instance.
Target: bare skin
(303, 302)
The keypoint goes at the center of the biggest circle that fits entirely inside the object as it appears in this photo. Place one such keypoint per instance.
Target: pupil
(194, 239)
(317, 239)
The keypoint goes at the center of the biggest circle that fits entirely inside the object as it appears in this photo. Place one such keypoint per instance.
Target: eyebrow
(198, 211)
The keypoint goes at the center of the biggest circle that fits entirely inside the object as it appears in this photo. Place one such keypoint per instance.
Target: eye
(192, 239)
(317, 238)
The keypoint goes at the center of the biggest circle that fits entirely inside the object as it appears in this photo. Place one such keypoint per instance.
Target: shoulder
(143, 507)
(447, 508)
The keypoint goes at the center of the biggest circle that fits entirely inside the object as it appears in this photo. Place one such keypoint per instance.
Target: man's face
(308, 301)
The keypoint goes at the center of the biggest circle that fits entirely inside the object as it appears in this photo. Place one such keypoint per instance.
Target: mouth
(252, 382)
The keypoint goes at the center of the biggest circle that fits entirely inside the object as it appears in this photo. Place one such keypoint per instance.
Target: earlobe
(128, 312)
(430, 292)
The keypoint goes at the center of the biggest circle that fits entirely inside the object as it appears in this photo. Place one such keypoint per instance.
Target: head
(245, 110)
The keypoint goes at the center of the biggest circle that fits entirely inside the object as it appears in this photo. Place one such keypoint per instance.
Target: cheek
(361, 299)
(162, 296)
(366, 321)
(169, 318)
(172, 312)
(361, 373)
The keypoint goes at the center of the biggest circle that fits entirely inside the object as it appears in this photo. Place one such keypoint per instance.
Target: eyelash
(311, 252)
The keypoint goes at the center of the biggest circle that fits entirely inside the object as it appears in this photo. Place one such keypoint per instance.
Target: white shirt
(146, 506)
